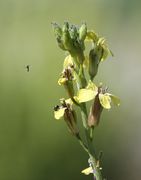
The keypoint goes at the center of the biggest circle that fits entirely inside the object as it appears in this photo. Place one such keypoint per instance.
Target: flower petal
(106, 51)
(61, 81)
(85, 95)
(115, 99)
(87, 171)
(105, 100)
(91, 36)
(69, 101)
(92, 86)
(59, 113)
(68, 62)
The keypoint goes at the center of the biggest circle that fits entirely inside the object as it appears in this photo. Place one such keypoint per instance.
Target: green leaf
(59, 113)
(105, 100)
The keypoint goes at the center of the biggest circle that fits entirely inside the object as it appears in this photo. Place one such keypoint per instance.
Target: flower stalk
(80, 89)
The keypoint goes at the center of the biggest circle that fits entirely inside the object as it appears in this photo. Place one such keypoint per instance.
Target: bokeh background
(34, 146)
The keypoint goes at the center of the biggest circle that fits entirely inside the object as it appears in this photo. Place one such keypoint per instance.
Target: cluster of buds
(71, 38)
(77, 66)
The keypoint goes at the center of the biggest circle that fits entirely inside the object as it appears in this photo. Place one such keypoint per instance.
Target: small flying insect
(27, 67)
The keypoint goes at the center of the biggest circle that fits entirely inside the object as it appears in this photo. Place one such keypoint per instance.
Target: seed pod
(70, 119)
(95, 112)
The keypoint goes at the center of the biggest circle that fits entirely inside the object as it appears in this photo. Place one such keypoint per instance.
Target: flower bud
(95, 112)
(65, 27)
(83, 32)
(66, 37)
(60, 43)
(73, 32)
(57, 30)
(58, 35)
(94, 60)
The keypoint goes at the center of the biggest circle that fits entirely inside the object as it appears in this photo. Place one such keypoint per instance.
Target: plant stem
(96, 171)
(82, 143)
(91, 152)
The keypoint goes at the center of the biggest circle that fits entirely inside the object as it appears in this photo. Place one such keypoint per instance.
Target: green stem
(91, 152)
(96, 171)
(82, 143)
(82, 78)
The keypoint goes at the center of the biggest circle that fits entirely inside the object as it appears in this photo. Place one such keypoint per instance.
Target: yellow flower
(107, 98)
(90, 92)
(67, 79)
(91, 36)
(66, 111)
(62, 81)
(101, 43)
(68, 62)
(58, 114)
(87, 94)
(60, 110)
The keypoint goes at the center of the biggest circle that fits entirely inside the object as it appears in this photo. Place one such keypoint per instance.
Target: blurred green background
(33, 146)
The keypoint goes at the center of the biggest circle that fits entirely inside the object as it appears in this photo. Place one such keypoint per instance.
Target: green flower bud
(94, 60)
(57, 30)
(60, 43)
(65, 27)
(66, 39)
(58, 35)
(83, 32)
(73, 32)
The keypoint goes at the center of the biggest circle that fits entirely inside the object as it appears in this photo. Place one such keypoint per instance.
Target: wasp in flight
(27, 67)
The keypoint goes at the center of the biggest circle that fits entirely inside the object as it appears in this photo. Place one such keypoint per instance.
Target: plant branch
(84, 114)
